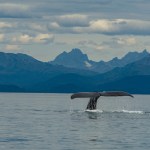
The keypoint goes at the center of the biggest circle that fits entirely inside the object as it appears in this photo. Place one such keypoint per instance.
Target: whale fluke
(95, 95)
(115, 93)
(85, 95)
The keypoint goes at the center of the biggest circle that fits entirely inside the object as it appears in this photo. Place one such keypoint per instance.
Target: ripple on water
(13, 139)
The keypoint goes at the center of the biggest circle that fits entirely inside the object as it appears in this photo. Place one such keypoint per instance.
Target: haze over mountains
(73, 72)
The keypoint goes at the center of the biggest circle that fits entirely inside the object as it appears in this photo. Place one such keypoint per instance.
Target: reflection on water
(92, 115)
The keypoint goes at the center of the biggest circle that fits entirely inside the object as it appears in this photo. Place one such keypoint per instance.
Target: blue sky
(101, 28)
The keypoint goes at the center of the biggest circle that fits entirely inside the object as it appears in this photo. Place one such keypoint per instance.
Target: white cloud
(25, 38)
(120, 27)
(44, 38)
(103, 26)
(37, 27)
(121, 42)
(54, 25)
(127, 41)
(2, 36)
(5, 25)
(12, 47)
(28, 39)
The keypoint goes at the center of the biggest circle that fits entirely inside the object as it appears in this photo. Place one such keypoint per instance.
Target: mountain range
(76, 59)
(74, 72)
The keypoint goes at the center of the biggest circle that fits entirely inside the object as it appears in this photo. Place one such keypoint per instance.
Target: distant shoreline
(61, 93)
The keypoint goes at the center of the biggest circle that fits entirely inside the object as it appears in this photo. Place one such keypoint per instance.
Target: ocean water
(54, 122)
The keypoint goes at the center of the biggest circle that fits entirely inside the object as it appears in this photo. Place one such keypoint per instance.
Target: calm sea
(54, 122)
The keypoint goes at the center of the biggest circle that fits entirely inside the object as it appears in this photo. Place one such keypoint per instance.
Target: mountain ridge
(76, 59)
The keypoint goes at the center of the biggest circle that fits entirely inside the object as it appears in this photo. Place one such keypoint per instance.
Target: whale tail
(95, 95)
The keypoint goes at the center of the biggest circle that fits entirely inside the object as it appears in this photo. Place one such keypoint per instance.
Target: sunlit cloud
(120, 27)
(121, 42)
(2, 37)
(44, 38)
(117, 27)
(127, 41)
(22, 38)
(54, 25)
(28, 39)
(5, 25)
(79, 25)
(12, 47)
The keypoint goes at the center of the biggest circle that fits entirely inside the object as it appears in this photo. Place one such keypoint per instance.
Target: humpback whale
(95, 95)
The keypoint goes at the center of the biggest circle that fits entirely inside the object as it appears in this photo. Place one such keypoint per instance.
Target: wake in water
(109, 114)
(133, 111)
(108, 111)
(116, 111)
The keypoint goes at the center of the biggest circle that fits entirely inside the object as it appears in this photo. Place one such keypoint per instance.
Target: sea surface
(54, 122)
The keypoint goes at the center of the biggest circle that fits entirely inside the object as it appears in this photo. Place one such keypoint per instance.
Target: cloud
(112, 43)
(12, 47)
(73, 20)
(126, 41)
(28, 39)
(120, 42)
(54, 25)
(68, 23)
(37, 27)
(91, 44)
(2, 36)
(120, 27)
(116, 27)
(77, 24)
(44, 38)
(5, 25)
(23, 39)
(14, 10)
(24, 26)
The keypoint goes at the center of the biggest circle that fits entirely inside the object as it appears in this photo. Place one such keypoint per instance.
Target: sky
(103, 29)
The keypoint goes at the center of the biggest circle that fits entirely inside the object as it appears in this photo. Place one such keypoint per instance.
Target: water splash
(95, 111)
(116, 111)
(133, 111)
